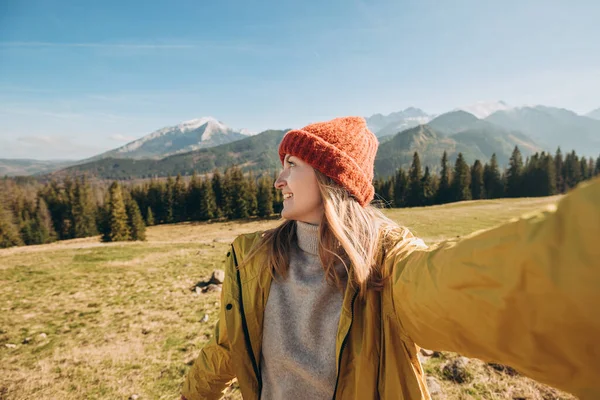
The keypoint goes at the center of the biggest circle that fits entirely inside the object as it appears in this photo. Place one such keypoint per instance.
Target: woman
(335, 301)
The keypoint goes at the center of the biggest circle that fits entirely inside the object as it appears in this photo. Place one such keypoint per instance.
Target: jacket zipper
(245, 327)
(337, 379)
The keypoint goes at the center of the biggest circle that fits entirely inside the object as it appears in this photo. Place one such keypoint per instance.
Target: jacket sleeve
(525, 294)
(212, 371)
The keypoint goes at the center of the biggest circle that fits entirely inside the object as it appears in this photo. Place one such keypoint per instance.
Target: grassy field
(108, 321)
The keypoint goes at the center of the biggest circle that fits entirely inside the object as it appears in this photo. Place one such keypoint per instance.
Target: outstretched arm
(525, 294)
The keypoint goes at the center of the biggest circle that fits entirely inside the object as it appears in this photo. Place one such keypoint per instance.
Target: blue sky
(78, 78)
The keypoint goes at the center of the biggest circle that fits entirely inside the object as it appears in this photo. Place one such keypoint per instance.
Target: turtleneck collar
(308, 237)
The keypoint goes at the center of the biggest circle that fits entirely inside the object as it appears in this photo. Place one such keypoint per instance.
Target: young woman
(334, 302)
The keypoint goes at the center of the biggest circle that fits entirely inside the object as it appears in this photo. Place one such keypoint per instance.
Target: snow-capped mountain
(383, 125)
(483, 109)
(187, 136)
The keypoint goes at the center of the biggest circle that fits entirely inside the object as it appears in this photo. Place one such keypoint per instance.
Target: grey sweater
(300, 325)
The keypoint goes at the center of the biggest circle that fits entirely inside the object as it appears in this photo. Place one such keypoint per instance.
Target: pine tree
(400, 188)
(477, 186)
(179, 199)
(514, 174)
(169, 200)
(428, 188)
(461, 183)
(68, 199)
(236, 193)
(252, 191)
(207, 206)
(25, 213)
(219, 191)
(137, 228)
(559, 169)
(264, 197)
(156, 201)
(83, 210)
(492, 179)
(597, 169)
(59, 205)
(584, 169)
(9, 234)
(195, 189)
(414, 196)
(530, 177)
(44, 230)
(548, 175)
(572, 170)
(117, 228)
(444, 194)
(149, 217)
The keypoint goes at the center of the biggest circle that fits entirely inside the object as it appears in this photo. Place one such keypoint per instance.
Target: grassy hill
(105, 321)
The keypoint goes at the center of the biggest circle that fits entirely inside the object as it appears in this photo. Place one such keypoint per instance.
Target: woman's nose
(279, 183)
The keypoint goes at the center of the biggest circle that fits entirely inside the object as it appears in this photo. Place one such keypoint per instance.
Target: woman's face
(299, 179)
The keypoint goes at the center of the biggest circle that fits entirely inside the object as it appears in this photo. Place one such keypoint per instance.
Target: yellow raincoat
(524, 294)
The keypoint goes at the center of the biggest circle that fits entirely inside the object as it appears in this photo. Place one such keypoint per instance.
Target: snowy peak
(187, 136)
(383, 125)
(483, 109)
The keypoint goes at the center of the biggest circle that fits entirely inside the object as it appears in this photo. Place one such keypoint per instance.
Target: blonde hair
(348, 232)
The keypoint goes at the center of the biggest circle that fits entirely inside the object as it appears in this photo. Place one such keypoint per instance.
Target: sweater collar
(308, 237)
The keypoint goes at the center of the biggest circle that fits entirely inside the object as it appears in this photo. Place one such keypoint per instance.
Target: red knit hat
(343, 149)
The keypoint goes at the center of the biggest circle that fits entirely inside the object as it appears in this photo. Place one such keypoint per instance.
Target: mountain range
(477, 131)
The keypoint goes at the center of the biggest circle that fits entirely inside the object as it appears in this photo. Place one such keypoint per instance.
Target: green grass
(120, 318)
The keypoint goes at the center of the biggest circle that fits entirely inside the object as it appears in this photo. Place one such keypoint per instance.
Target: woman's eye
(291, 163)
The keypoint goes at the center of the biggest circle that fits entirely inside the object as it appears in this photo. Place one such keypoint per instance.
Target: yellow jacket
(525, 294)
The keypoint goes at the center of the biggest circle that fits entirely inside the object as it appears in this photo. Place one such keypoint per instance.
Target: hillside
(23, 167)
(595, 114)
(454, 132)
(258, 152)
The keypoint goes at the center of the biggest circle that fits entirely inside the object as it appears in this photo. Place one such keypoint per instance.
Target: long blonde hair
(348, 233)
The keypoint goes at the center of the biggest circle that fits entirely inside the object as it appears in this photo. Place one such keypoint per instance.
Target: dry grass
(120, 319)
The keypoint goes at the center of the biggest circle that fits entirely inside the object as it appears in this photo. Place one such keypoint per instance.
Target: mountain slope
(23, 167)
(453, 122)
(187, 136)
(258, 153)
(454, 132)
(553, 127)
(490, 138)
(594, 114)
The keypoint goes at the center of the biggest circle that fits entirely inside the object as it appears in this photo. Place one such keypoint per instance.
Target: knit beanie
(343, 149)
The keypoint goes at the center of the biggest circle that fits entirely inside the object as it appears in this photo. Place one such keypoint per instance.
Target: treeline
(539, 175)
(37, 214)
(67, 210)
(74, 209)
